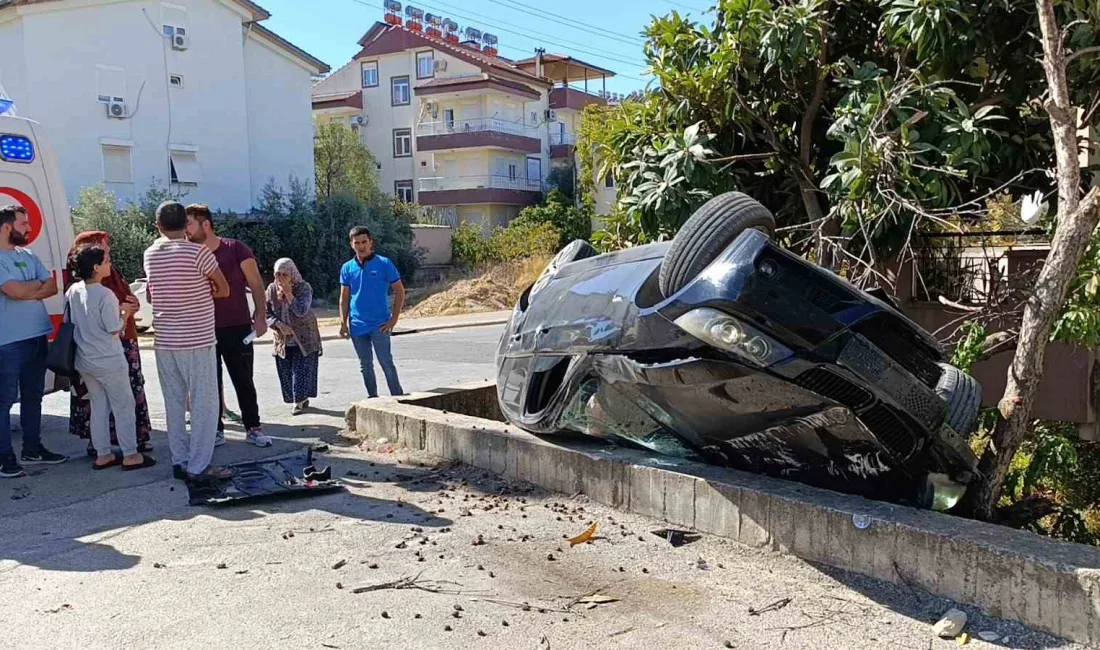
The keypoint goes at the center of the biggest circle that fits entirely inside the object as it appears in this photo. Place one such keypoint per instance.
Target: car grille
(891, 431)
(897, 340)
(831, 385)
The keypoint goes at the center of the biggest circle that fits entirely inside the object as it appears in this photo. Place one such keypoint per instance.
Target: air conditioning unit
(181, 42)
(117, 111)
(432, 108)
(361, 120)
(440, 66)
(551, 115)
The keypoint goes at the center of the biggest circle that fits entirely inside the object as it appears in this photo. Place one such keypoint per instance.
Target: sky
(601, 32)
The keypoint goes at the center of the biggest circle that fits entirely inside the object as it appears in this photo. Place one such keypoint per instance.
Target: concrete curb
(1049, 585)
(400, 331)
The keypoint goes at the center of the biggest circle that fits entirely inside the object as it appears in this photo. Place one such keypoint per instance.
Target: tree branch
(1081, 52)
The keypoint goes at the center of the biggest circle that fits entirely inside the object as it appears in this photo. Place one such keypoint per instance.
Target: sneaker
(10, 468)
(300, 407)
(230, 415)
(219, 438)
(42, 456)
(256, 437)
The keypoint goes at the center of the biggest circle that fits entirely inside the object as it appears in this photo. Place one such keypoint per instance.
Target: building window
(425, 64)
(402, 143)
(173, 19)
(609, 181)
(399, 87)
(370, 74)
(175, 81)
(117, 164)
(185, 168)
(449, 118)
(534, 117)
(110, 84)
(403, 190)
(512, 172)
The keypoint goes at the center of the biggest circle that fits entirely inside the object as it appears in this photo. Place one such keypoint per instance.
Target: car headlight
(732, 335)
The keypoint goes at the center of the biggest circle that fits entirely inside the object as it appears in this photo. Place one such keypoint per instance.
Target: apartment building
(452, 125)
(195, 96)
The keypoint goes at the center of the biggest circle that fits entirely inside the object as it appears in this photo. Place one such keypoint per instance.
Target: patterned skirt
(80, 409)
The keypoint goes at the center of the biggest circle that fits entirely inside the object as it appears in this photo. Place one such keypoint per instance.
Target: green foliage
(559, 211)
(561, 179)
(1065, 471)
(521, 239)
(1079, 321)
(469, 245)
(969, 348)
(97, 209)
(869, 119)
(342, 164)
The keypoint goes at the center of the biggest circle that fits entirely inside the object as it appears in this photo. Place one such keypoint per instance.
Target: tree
(857, 122)
(558, 210)
(343, 164)
(1076, 222)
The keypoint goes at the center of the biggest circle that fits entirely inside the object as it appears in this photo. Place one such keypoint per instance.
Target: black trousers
(238, 360)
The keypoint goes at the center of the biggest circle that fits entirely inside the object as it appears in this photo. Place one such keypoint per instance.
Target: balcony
(457, 190)
(477, 132)
(565, 97)
(562, 145)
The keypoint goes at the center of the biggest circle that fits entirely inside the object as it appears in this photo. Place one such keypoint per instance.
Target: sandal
(146, 461)
(145, 447)
(115, 460)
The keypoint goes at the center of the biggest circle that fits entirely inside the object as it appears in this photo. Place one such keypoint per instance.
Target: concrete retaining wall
(1052, 586)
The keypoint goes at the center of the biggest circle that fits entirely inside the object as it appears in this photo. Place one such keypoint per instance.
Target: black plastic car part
(279, 478)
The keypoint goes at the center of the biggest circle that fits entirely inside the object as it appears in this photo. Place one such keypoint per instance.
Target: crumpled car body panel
(593, 347)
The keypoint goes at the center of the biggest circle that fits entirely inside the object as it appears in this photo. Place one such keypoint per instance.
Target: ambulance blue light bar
(16, 148)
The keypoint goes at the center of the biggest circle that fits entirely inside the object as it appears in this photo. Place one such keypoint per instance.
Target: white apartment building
(464, 132)
(197, 94)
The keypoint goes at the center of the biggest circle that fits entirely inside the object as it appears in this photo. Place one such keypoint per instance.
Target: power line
(616, 36)
(684, 6)
(617, 60)
(531, 31)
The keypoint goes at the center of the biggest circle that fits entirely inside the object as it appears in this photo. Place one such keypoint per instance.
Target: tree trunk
(1076, 221)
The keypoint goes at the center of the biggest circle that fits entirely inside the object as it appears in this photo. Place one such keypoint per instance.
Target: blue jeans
(22, 378)
(381, 344)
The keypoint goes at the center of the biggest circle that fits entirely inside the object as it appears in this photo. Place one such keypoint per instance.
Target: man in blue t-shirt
(365, 314)
(24, 284)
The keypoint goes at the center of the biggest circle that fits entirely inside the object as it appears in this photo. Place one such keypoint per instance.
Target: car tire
(578, 249)
(707, 233)
(963, 395)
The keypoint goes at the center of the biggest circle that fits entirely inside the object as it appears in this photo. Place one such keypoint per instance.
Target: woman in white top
(98, 320)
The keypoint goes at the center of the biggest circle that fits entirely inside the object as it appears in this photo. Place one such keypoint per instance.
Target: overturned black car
(724, 348)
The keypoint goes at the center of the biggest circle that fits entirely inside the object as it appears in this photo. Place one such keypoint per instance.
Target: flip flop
(114, 461)
(147, 461)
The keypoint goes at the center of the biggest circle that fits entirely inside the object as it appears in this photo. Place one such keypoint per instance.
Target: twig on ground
(430, 586)
(772, 607)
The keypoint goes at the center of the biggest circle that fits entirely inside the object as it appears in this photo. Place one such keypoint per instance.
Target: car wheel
(578, 249)
(707, 233)
(963, 395)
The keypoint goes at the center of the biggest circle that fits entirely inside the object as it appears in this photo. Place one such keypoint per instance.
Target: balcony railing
(562, 138)
(493, 182)
(477, 125)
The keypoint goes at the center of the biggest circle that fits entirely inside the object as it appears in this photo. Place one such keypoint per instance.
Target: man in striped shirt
(179, 276)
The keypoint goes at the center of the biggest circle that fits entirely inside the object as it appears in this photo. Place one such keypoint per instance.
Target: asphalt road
(110, 560)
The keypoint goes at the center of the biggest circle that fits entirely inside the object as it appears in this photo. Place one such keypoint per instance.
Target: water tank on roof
(392, 5)
(473, 34)
(489, 39)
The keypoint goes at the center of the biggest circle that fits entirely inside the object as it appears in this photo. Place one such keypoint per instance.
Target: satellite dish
(1033, 208)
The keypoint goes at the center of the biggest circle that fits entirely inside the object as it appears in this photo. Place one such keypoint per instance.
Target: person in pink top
(179, 276)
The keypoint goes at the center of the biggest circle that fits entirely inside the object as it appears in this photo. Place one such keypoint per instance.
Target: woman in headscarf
(80, 408)
(297, 346)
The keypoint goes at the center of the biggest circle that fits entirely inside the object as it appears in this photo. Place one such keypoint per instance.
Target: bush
(561, 179)
(315, 233)
(559, 211)
(97, 209)
(520, 240)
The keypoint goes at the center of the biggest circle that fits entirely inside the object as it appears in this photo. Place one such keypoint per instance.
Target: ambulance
(29, 176)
